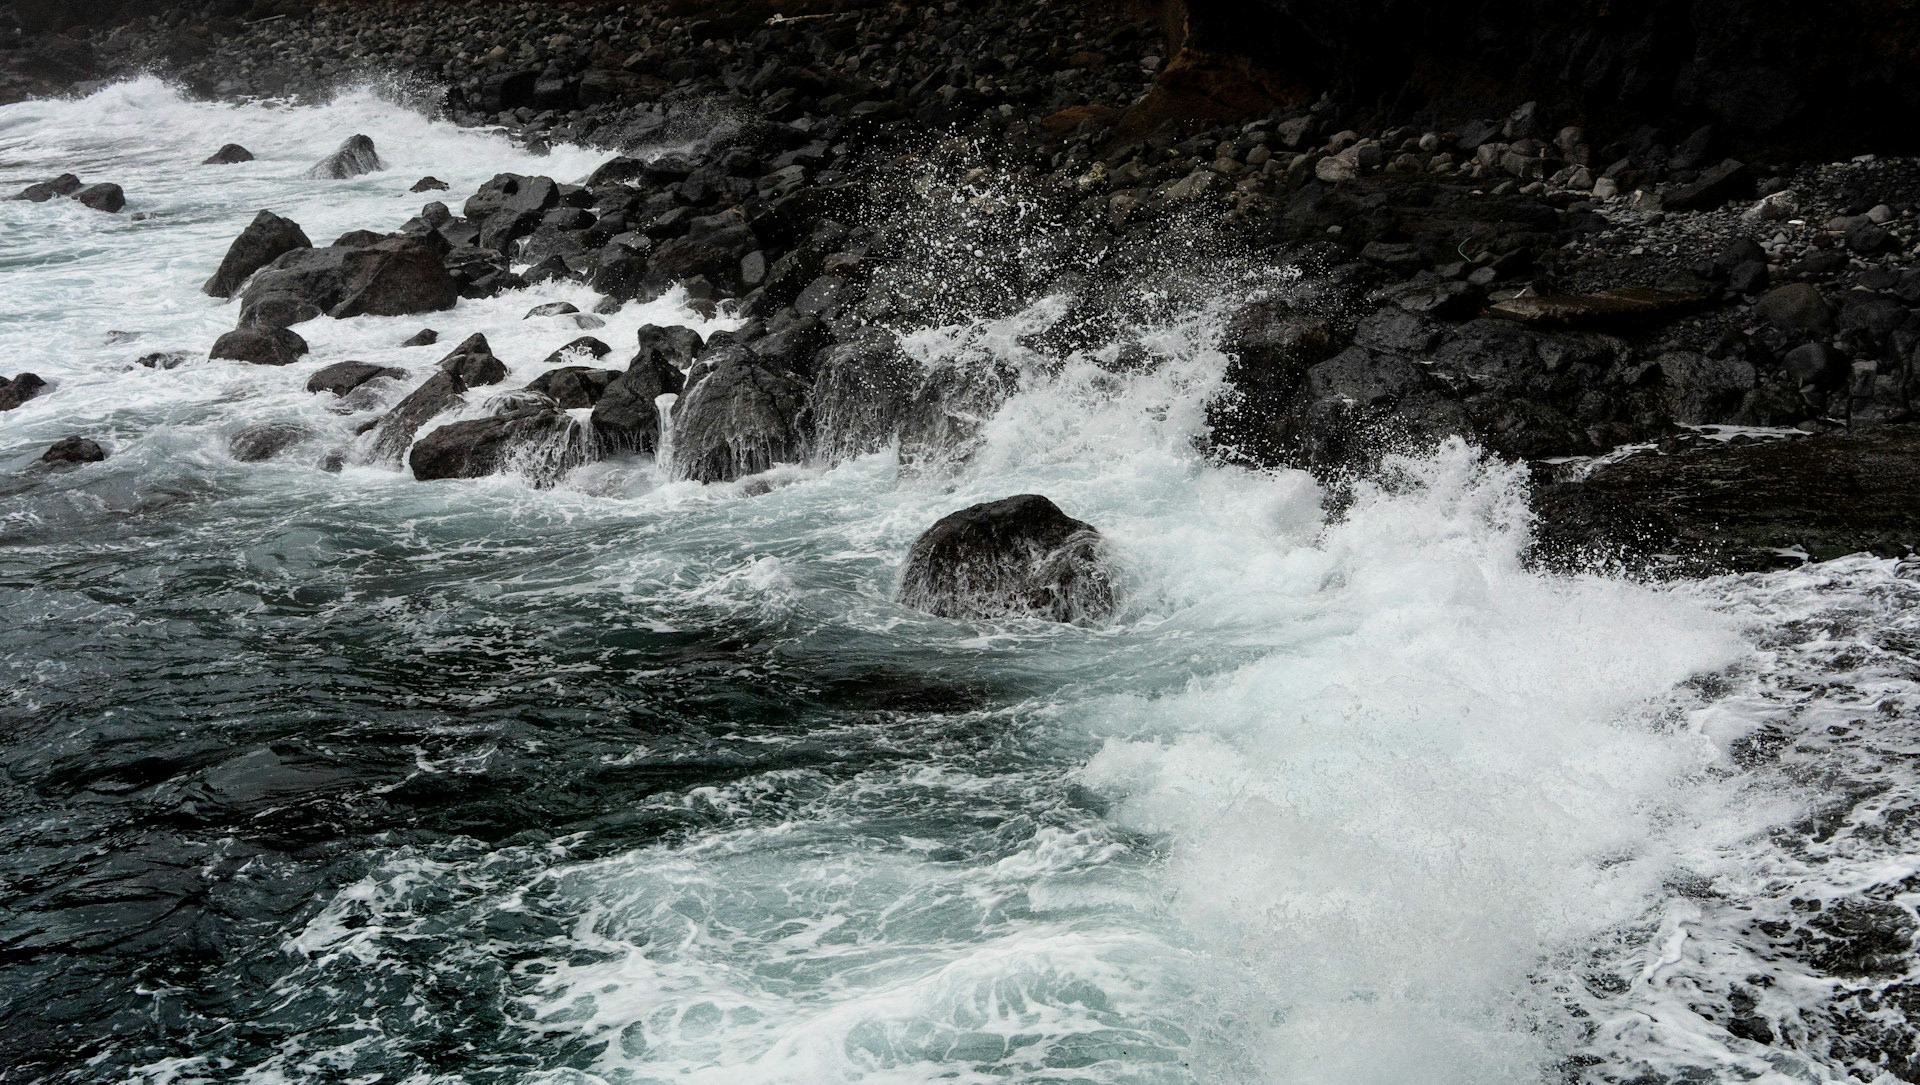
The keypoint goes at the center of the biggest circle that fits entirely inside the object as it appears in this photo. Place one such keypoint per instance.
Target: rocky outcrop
(355, 157)
(471, 364)
(227, 155)
(392, 277)
(1708, 506)
(1019, 557)
(266, 239)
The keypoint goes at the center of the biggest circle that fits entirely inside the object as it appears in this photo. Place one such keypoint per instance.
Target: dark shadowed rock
(1016, 557)
(1796, 308)
(584, 347)
(228, 155)
(266, 440)
(1729, 506)
(1714, 187)
(425, 337)
(1269, 347)
(736, 418)
(277, 311)
(393, 277)
(355, 157)
(261, 346)
(102, 197)
(474, 363)
(265, 239)
(861, 391)
(73, 450)
(394, 431)
(64, 185)
(343, 377)
(626, 417)
(573, 386)
(540, 443)
(17, 390)
(551, 308)
(429, 184)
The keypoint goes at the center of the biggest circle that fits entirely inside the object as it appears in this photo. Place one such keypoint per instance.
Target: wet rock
(512, 193)
(1016, 557)
(17, 390)
(355, 157)
(357, 239)
(1816, 365)
(277, 311)
(394, 277)
(1717, 507)
(261, 346)
(343, 377)
(861, 392)
(228, 155)
(395, 430)
(429, 184)
(425, 337)
(102, 197)
(1622, 305)
(164, 359)
(552, 308)
(1269, 347)
(73, 450)
(64, 185)
(1796, 308)
(266, 238)
(573, 386)
(539, 442)
(627, 417)
(266, 441)
(473, 361)
(736, 418)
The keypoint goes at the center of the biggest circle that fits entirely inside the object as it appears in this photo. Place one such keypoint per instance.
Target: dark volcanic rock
(573, 386)
(473, 361)
(73, 450)
(355, 157)
(277, 311)
(393, 277)
(1737, 506)
(64, 185)
(394, 431)
(261, 346)
(102, 197)
(1607, 307)
(343, 377)
(265, 239)
(17, 390)
(266, 440)
(626, 417)
(540, 443)
(1016, 557)
(429, 184)
(736, 418)
(425, 337)
(228, 155)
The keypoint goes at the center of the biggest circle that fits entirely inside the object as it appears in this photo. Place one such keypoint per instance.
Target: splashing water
(343, 776)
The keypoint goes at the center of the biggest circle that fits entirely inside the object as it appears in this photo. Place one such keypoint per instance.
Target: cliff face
(1825, 77)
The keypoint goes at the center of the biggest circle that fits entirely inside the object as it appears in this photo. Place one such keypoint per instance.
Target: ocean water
(311, 776)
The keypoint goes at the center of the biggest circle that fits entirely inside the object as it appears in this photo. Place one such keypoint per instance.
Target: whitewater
(313, 775)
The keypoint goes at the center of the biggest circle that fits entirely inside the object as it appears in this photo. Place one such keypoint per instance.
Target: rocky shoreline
(1550, 293)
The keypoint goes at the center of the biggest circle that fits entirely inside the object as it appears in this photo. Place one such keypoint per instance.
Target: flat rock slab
(1623, 305)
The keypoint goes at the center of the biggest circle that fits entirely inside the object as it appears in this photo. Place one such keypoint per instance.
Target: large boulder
(105, 196)
(574, 386)
(17, 390)
(355, 157)
(261, 346)
(228, 155)
(390, 436)
(392, 277)
(861, 390)
(627, 417)
(277, 311)
(473, 361)
(265, 240)
(40, 192)
(736, 418)
(538, 442)
(511, 193)
(1017, 557)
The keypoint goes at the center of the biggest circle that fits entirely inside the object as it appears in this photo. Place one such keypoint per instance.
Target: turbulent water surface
(311, 776)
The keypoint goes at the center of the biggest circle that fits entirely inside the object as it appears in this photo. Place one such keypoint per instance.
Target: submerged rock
(1016, 557)
(265, 441)
(266, 239)
(15, 391)
(228, 155)
(73, 450)
(355, 157)
(64, 185)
